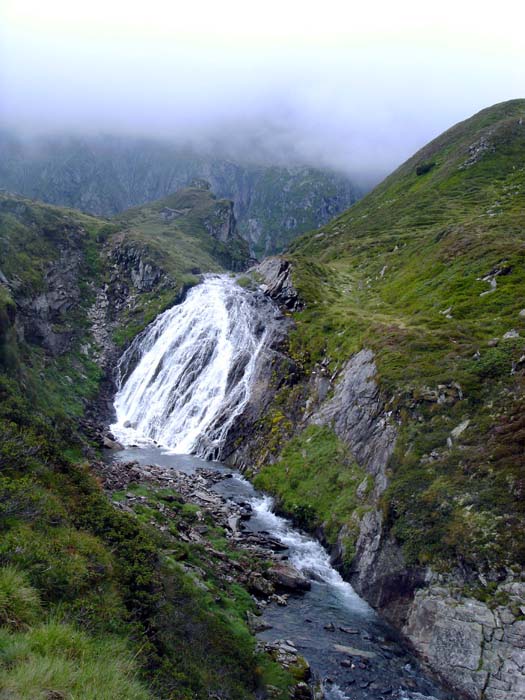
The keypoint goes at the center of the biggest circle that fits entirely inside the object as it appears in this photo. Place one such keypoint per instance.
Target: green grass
(185, 243)
(212, 621)
(19, 601)
(91, 567)
(316, 480)
(57, 660)
(401, 273)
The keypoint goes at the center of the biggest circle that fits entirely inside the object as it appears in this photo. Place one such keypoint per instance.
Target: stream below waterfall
(329, 615)
(183, 382)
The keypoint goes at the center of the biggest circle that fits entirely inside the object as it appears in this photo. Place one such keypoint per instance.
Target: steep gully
(183, 384)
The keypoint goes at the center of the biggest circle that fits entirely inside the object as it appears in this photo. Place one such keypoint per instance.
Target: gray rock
(455, 643)
(256, 624)
(353, 651)
(110, 444)
(276, 273)
(288, 577)
(357, 415)
(476, 650)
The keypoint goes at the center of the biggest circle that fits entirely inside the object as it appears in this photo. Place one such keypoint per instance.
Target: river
(183, 382)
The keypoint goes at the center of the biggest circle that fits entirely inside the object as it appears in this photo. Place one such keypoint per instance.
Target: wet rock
(288, 577)
(256, 624)
(110, 444)
(302, 691)
(279, 599)
(285, 654)
(352, 651)
(259, 585)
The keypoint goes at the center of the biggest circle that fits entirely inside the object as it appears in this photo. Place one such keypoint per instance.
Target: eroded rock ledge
(276, 275)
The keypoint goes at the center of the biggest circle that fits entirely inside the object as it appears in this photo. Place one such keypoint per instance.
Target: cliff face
(107, 175)
(74, 288)
(396, 429)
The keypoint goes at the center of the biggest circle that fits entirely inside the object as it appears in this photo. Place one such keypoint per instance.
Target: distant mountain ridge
(105, 175)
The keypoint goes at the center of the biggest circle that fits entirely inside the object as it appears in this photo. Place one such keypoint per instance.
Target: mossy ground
(184, 243)
(316, 481)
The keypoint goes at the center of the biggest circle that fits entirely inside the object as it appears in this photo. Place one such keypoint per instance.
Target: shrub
(62, 562)
(424, 168)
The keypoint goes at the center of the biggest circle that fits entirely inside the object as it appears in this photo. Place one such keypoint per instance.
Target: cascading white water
(194, 373)
(307, 554)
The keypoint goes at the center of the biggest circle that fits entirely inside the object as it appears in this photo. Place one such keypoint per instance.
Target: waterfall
(194, 369)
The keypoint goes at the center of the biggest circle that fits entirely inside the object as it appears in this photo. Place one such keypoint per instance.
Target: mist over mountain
(355, 89)
(104, 175)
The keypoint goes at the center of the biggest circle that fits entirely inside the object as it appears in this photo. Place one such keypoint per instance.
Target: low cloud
(342, 89)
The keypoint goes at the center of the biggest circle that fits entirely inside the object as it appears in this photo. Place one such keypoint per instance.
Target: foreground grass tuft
(56, 660)
(19, 601)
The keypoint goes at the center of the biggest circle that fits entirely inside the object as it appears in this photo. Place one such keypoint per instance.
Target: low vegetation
(94, 602)
(317, 462)
(428, 272)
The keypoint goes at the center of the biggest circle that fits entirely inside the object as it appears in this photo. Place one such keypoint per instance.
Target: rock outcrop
(276, 275)
(222, 224)
(357, 413)
(477, 649)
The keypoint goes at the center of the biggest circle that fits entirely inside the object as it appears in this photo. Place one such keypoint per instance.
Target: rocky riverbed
(305, 617)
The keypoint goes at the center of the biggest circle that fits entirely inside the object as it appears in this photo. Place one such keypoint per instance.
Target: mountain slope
(411, 348)
(107, 175)
(93, 600)
(428, 271)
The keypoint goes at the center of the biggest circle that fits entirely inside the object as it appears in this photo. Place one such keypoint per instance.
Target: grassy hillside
(179, 237)
(185, 231)
(428, 271)
(94, 602)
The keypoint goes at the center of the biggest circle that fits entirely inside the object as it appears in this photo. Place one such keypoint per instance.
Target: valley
(370, 379)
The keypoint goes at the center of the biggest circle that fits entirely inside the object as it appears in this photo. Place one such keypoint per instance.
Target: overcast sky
(354, 85)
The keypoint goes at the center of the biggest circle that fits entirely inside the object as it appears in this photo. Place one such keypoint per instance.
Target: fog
(354, 88)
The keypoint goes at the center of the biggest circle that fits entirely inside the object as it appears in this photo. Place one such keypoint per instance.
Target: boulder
(110, 444)
(288, 577)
